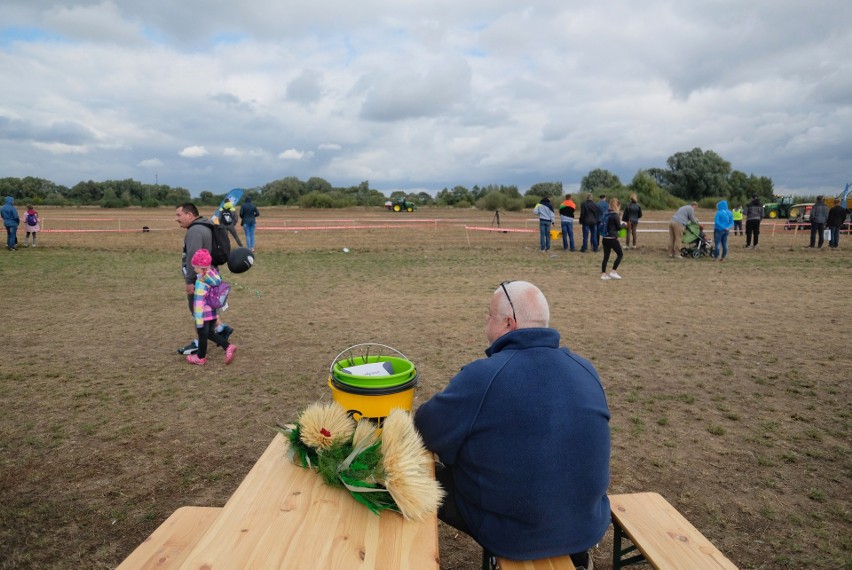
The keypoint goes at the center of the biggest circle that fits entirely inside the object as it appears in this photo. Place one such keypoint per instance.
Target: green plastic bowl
(403, 371)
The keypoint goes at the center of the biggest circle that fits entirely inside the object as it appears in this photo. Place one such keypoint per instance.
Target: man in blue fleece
(524, 438)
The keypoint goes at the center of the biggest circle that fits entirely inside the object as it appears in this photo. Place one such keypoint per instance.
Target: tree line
(698, 175)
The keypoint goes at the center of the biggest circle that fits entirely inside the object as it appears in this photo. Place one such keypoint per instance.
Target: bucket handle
(363, 344)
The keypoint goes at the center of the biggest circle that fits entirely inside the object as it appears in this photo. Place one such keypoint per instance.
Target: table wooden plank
(172, 541)
(663, 535)
(284, 516)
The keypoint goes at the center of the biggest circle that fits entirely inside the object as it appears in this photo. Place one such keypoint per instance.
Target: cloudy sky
(422, 95)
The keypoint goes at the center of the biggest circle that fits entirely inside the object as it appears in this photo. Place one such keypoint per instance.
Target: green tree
(649, 193)
(493, 200)
(542, 189)
(148, 200)
(697, 174)
(317, 184)
(175, 196)
(206, 197)
(284, 191)
(742, 187)
(459, 197)
(316, 200)
(86, 192)
(600, 180)
(111, 200)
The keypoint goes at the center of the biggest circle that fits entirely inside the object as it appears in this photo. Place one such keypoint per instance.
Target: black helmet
(240, 260)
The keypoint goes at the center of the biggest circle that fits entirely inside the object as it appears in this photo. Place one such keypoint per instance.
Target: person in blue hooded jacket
(11, 221)
(722, 224)
(523, 436)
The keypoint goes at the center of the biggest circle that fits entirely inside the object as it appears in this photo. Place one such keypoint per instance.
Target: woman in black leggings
(610, 241)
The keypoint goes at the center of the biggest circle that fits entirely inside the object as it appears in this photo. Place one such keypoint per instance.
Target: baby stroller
(696, 241)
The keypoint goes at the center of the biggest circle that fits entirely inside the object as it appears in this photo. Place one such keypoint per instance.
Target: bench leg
(618, 553)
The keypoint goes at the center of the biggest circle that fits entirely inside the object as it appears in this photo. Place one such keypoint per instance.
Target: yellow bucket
(373, 403)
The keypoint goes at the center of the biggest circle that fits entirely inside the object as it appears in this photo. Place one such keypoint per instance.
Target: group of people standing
(824, 218)
(11, 221)
(601, 223)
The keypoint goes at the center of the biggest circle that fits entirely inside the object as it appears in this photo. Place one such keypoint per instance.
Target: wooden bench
(171, 542)
(555, 563)
(664, 538)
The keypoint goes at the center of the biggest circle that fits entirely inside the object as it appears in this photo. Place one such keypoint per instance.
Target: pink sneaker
(229, 353)
(193, 359)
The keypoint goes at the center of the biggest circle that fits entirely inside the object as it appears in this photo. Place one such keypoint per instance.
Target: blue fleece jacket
(525, 433)
(724, 219)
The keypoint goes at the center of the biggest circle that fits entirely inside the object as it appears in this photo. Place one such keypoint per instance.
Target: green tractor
(779, 209)
(400, 204)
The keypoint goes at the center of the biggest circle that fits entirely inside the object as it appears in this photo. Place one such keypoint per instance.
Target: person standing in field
(32, 225)
(566, 218)
(722, 224)
(603, 208)
(11, 221)
(589, 218)
(228, 218)
(836, 217)
(544, 211)
(612, 224)
(819, 215)
(754, 213)
(683, 216)
(248, 213)
(738, 220)
(632, 213)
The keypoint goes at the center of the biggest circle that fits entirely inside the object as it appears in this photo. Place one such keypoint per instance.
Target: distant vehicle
(400, 204)
(800, 216)
(842, 197)
(779, 209)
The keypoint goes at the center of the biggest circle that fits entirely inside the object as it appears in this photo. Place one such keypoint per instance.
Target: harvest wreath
(384, 471)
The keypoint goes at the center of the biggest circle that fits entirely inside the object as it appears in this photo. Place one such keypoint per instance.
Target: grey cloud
(405, 94)
(306, 88)
(62, 132)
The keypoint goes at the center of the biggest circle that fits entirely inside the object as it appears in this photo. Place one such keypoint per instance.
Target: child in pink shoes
(205, 316)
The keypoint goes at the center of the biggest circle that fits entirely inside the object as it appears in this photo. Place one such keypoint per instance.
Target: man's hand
(190, 289)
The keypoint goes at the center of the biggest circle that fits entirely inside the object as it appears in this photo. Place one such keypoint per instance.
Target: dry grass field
(729, 383)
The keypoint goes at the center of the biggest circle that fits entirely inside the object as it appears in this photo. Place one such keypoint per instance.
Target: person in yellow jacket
(738, 220)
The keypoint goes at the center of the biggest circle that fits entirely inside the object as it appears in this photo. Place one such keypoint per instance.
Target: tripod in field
(496, 219)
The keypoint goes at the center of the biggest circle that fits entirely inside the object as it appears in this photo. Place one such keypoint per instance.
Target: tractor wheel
(397, 208)
(409, 209)
(773, 214)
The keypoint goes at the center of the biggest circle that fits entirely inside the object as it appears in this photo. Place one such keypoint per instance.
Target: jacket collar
(525, 338)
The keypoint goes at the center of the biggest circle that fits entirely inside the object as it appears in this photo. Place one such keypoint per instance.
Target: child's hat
(202, 258)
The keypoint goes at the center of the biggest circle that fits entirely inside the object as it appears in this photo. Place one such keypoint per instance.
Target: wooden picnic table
(285, 516)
